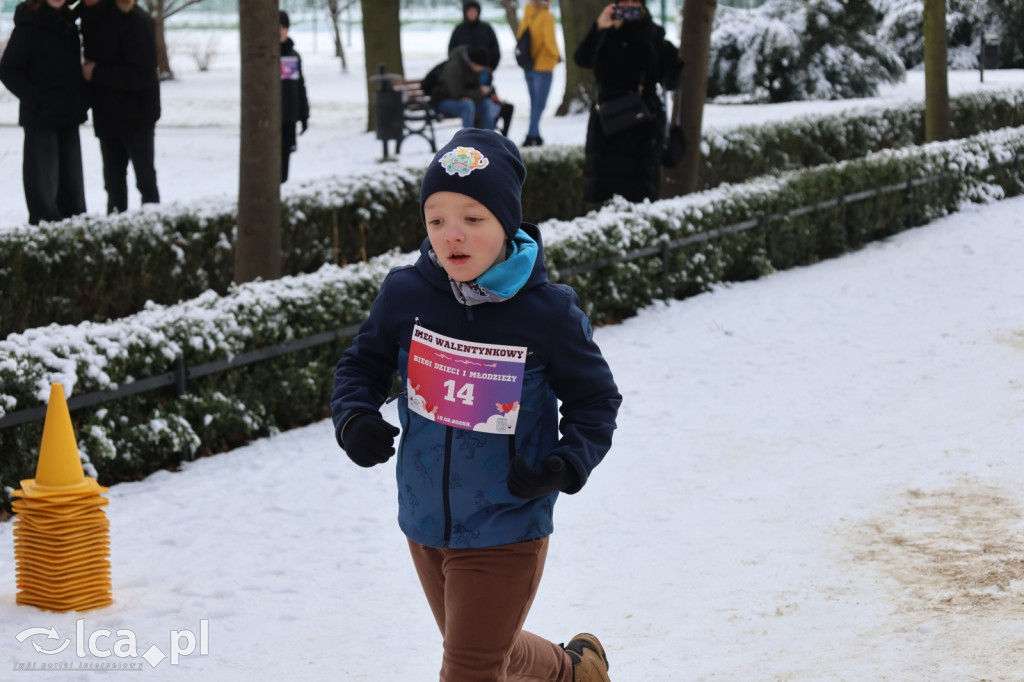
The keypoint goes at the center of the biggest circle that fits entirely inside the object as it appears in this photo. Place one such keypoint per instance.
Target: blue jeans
(538, 84)
(467, 110)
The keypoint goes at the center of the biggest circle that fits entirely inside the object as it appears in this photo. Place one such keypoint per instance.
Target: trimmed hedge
(129, 438)
(99, 268)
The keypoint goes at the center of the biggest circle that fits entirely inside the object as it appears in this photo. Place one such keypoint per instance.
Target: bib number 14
(464, 394)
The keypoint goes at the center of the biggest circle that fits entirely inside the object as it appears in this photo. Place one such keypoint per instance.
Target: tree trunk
(577, 17)
(382, 38)
(334, 9)
(688, 100)
(936, 86)
(163, 62)
(258, 243)
(512, 13)
(159, 10)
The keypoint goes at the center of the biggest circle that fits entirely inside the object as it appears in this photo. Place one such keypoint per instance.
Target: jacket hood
(465, 9)
(439, 278)
(44, 16)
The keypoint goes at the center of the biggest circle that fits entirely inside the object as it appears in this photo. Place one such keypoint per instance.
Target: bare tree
(382, 38)
(689, 98)
(258, 242)
(577, 17)
(936, 86)
(511, 14)
(334, 10)
(160, 10)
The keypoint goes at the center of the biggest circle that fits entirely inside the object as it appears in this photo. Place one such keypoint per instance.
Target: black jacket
(41, 67)
(636, 55)
(294, 104)
(477, 34)
(457, 79)
(124, 91)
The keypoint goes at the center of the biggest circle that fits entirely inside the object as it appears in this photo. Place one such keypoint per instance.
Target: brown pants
(480, 598)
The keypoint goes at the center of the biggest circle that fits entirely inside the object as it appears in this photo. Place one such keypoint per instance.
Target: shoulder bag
(622, 113)
(523, 50)
(675, 141)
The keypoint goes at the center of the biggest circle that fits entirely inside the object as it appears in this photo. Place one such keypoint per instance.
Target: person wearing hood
(628, 53)
(294, 103)
(41, 67)
(475, 32)
(119, 48)
(486, 349)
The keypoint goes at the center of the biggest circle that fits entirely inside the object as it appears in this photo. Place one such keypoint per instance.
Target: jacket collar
(437, 277)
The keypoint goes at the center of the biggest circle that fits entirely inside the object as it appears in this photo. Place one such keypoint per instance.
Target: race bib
(289, 68)
(473, 386)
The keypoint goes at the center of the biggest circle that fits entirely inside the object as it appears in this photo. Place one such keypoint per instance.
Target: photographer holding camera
(625, 133)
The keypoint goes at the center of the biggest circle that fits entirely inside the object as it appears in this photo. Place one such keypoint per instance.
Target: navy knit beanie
(482, 164)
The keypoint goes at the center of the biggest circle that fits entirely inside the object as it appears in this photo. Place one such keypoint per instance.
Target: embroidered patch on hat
(462, 161)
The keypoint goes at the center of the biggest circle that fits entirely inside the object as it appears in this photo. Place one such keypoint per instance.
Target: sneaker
(589, 662)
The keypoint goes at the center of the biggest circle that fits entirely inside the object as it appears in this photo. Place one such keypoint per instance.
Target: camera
(627, 13)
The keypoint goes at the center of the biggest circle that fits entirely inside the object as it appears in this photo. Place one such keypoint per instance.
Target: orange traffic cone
(61, 534)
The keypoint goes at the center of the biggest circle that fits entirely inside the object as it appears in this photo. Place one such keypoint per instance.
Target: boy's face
(467, 238)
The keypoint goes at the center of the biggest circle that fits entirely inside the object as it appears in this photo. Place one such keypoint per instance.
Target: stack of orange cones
(62, 534)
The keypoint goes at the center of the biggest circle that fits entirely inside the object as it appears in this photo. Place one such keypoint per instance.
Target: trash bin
(389, 108)
(389, 113)
(990, 51)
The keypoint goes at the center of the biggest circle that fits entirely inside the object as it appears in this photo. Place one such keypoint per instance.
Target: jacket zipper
(446, 486)
(447, 473)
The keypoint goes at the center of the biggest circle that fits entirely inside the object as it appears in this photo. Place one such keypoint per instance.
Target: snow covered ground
(816, 475)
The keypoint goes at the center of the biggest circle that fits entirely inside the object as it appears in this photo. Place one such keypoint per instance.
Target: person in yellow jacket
(538, 20)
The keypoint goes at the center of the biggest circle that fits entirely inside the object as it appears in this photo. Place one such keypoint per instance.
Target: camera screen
(627, 13)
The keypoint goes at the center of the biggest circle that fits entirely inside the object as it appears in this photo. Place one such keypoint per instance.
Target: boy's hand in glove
(368, 440)
(553, 475)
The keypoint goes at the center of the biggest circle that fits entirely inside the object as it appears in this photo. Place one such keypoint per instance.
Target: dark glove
(368, 439)
(303, 125)
(554, 475)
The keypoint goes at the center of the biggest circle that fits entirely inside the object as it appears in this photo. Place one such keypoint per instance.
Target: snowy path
(816, 478)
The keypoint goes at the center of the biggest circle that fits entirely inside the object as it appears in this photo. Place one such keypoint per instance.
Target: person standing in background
(476, 33)
(119, 44)
(41, 66)
(628, 53)
(538, 20)
(294, 103)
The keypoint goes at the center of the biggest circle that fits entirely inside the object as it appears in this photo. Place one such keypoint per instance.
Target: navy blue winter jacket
(452, 483)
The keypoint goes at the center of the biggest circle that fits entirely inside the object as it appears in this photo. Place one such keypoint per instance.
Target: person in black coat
(40, 66)
(626, 55)
(119, 43)
(294, 103)
(476, 33)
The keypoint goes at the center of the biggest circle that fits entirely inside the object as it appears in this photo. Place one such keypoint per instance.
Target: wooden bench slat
(418, 114)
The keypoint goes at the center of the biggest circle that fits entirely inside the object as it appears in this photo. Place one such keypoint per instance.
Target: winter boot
(589, 662)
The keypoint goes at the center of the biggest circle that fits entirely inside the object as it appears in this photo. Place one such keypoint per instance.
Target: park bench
(419, 116)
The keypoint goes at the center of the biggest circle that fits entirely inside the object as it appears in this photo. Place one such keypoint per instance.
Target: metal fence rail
(665, 248)
(179, 374)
